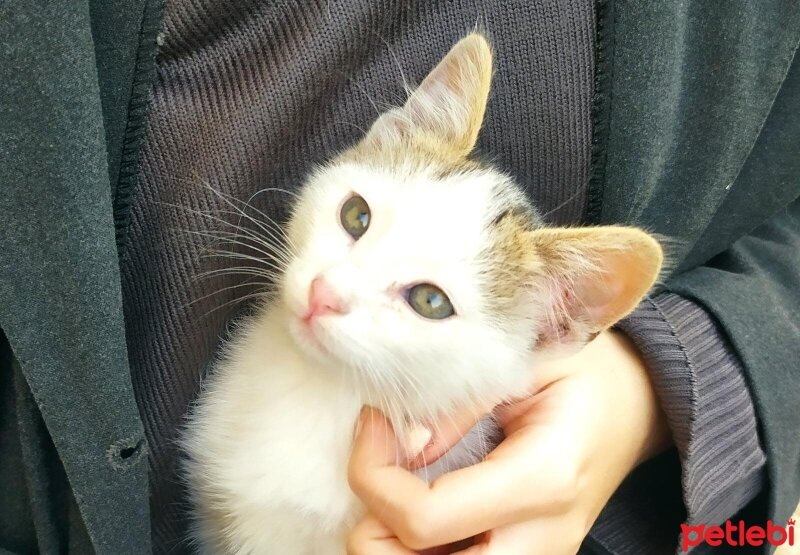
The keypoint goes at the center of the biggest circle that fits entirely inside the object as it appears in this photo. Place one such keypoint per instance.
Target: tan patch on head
(580, 280)
(513, 263)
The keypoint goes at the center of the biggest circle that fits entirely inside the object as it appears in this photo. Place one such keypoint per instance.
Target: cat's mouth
(310, 334)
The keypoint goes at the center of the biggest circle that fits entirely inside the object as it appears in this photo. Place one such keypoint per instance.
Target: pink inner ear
(581, 307)
(596, 295)
(432, 105)
(558, 326)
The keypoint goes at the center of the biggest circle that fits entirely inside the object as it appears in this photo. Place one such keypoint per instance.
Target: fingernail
(416, 440)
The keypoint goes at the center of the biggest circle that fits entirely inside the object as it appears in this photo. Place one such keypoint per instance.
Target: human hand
(593, 418)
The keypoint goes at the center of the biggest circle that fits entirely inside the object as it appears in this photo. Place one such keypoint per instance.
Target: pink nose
(322, 299)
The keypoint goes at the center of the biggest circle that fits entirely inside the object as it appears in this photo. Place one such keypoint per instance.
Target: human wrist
(623, 424)
(622, 374)
(640, 401)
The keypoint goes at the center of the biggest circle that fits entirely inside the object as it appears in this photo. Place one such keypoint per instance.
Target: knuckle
(419, 529)
(566, 488)
(355, 479)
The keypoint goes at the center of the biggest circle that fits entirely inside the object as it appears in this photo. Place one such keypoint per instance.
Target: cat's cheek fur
(432, 369)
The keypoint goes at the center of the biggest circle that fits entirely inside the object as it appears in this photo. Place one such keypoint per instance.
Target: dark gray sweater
(250, 94)
(695, 126)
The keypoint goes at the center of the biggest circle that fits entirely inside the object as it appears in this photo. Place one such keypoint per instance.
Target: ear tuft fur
(446, 111)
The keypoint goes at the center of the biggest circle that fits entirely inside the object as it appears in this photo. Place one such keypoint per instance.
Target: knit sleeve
(699, 381)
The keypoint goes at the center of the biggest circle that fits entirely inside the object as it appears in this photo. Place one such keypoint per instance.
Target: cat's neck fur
(269, 333)
(403, 403)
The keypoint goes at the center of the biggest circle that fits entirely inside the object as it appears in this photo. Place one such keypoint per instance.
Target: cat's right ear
(448, 107)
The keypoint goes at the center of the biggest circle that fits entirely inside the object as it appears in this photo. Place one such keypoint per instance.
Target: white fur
(269, 440)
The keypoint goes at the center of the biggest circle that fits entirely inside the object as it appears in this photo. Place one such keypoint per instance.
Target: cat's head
(428, 276)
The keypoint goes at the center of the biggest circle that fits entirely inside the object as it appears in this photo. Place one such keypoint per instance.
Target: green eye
(429, 302)
(355, 216)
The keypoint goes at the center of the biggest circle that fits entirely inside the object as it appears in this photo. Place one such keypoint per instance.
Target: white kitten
(416, 280)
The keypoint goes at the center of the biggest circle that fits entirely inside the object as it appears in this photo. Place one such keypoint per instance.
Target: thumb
(375, 443)
(447, 433)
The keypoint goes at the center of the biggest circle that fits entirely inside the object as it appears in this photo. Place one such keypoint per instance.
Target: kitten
(416, 280)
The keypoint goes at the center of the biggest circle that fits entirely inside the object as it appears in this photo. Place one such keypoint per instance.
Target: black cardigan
(696, 122)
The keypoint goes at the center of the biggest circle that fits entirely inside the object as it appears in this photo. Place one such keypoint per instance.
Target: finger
(508, 413)
(446, 434)
(500, 490)
(408, 448)
(372, 537)
(375, 434)
(536, 537)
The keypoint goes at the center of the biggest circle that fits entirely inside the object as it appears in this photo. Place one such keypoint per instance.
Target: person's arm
(721, 345)
(701, 387)
(752, 290)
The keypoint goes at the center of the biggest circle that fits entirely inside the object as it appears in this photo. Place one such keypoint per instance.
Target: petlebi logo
(737, 534)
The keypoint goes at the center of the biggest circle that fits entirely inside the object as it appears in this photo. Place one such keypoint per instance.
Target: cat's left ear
(589, 279)
(448, 107)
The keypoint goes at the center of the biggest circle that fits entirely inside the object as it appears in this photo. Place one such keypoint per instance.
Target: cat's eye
(429, 301)
(355, 216)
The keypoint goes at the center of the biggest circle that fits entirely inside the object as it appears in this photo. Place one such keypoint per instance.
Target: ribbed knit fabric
(702, 390)
(250, 94)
